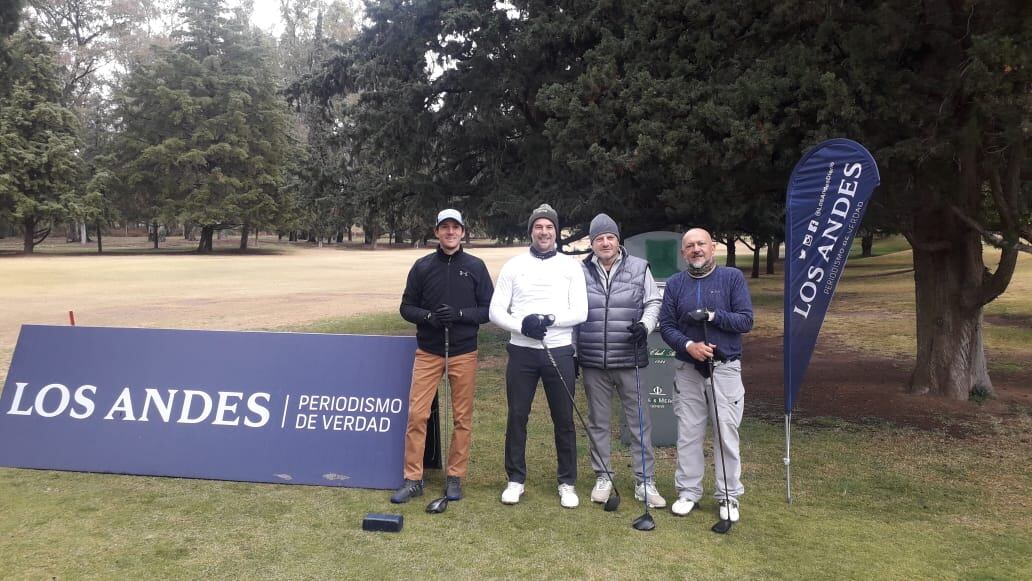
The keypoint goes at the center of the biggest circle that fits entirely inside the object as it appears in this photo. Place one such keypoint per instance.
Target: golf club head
(699, 315)
(613, 502)
(722, 527)
(438, 505)
(644, 522)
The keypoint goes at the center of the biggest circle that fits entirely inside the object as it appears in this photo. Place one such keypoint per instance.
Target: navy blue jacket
(725, 291)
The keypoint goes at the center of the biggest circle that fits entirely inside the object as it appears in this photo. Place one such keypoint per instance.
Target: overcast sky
(267, 16)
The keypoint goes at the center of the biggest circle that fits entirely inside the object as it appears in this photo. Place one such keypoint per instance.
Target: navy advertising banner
(828, 194)
(261, 407)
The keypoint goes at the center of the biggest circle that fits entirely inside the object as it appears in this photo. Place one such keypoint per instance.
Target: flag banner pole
(788, 457)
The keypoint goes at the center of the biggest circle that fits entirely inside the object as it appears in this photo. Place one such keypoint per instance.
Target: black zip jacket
(460, 280)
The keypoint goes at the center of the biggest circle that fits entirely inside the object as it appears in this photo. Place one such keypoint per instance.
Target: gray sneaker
(648, 489)
(453, 488)
(408, 490)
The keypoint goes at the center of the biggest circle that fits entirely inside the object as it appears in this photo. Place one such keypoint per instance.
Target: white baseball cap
(450, 214)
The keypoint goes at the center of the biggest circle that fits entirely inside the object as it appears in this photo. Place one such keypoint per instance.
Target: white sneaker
(682, 506)
(568, 496)
(603, 488)
(643, 490)
(512, 493)
(729, 509)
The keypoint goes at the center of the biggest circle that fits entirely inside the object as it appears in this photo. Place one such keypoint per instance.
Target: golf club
(613, 502)
(723, 526)
(439, 505)
(644, 522)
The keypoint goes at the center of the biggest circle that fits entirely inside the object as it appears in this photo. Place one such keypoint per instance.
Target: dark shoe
(453, 488)
(408, 490)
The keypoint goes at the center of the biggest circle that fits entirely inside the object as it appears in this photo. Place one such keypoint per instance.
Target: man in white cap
(623, 308)
(446, 289)
(539, 299)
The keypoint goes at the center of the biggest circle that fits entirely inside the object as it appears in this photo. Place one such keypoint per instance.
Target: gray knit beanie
(603, 224)
(543, 211)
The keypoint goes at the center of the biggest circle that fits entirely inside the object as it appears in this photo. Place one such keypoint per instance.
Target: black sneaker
(453, 488)
(408, 490)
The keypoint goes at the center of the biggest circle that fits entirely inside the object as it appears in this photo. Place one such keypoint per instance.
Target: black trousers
(526, 366)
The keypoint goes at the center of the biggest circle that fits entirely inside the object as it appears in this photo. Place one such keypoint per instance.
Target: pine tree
(38, 139)
(203, 129)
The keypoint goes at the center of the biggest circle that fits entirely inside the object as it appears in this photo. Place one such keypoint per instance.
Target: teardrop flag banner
(828, 193)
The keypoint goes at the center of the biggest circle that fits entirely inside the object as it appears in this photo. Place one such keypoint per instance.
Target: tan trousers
(426, 374)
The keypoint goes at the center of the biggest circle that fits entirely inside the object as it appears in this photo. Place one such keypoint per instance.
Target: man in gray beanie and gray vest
(623, 308)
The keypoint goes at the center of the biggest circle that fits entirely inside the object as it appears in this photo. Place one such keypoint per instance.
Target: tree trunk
(757, 246)
(731, 259)
(951, 358)
(340, 236)
(154, 225)
(350, 235)
(29, 242)
(100, 242)
(867, 245)
(205, 244)
(82, 233)
(245, 231)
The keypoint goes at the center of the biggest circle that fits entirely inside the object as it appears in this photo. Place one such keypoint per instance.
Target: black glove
(698, 316)
(638, 333)
(446, 314)
(534, 326)
(433, 321)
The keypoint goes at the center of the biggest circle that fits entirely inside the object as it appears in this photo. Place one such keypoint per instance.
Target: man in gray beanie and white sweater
(623, 308)
(539, 298)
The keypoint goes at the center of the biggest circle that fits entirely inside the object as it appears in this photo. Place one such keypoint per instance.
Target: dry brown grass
(294, 286)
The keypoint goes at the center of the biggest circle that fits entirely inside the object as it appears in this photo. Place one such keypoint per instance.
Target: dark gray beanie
(603, 224)
(543, 211)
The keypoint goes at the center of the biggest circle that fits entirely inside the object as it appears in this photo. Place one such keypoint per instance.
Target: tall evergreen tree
(204, 135)
(38, 139)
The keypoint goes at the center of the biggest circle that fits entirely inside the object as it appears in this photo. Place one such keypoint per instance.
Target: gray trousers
(599, 385)
(692, 406)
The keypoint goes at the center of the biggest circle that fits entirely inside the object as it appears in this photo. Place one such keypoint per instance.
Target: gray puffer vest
(603, 341)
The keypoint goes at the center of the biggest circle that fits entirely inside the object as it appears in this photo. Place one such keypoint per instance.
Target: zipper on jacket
(605, 322)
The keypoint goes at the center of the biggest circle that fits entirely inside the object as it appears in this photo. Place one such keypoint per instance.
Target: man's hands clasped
(443, 316)
(535, 326)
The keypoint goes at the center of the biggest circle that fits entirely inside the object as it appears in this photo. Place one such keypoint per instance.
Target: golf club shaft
(716, 418)
(446, 429)
(591, 441)
(641, 436)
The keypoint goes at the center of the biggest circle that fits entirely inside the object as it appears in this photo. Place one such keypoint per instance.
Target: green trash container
(663, 251)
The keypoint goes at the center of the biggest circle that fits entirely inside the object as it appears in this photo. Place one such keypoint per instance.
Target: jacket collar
(444, 257)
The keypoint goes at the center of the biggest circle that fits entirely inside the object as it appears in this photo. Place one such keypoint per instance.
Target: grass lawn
(871, 500)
